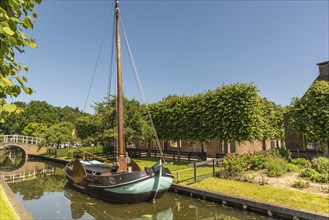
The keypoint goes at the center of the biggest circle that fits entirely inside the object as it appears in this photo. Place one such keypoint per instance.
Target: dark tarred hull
(134, 187)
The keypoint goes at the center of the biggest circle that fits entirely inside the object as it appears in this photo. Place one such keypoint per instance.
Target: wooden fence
(106, 155)
(195, 165)
(168, 154)
(307, 154)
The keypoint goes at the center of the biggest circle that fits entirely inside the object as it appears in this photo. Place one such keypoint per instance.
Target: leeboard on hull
(132, 187)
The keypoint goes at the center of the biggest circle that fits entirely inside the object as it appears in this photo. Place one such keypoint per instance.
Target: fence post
(178, 177)
(189, 156)
(213, 167)
(195, 172)
(298, 153)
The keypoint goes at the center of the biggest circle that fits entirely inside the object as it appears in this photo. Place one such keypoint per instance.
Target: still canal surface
(41, 188)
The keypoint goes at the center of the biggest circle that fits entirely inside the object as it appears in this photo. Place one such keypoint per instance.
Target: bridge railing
(15, 138)
(19, 177)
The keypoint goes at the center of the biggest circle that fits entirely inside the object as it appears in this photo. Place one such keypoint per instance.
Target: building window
(272, 145)
(232, 147)
(225, 148)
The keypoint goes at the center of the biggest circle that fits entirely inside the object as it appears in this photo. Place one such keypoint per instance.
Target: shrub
(263, 180)
(69, 155)
(320, 177)
(235, 164)
(78, 154)
(276, 167)
(63, 152)
(258, 159)
(301, 162)
(292, 167)
(284, 153)
(300, 184)
(321, 164)
(308, 172)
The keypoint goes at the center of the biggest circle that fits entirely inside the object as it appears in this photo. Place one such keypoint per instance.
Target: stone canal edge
(18, 207)
(270, 209)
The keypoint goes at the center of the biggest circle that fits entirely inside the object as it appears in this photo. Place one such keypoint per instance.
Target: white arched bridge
(30, 145)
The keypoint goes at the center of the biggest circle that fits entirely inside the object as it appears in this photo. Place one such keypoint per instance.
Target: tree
(310, 114)
(15, 16)
(59, 134)
(234, 113)
(230, 113)
(272, 121)
(136, 122)
(102, 126)
(14, 122)
(41, 112)
(70, 114)
(34, 129)
(89, 128)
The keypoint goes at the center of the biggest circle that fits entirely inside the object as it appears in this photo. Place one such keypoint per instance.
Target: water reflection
(48, 197)
(83, 206)
(11, 158)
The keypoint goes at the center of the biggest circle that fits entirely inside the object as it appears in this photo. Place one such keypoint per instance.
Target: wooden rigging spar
(121, 183)
(121, 158)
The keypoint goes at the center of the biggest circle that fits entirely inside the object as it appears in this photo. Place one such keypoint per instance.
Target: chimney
(324, 71)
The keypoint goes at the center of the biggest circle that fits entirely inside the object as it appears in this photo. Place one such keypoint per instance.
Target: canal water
(41, 188)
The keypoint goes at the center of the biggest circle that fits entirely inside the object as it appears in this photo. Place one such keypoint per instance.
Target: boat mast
(121, 159)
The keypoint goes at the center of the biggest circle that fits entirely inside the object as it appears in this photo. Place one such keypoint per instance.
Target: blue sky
(180, 47)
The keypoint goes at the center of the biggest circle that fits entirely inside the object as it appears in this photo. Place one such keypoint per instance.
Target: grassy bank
(180, 170)
(286, 197)
(6, 209)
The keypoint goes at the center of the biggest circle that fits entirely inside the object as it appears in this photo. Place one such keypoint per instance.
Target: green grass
(6, 209)
(285, 197)
(171, 165)
(185, 173)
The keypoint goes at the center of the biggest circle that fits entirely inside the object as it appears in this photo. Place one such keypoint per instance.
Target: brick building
(213, 147)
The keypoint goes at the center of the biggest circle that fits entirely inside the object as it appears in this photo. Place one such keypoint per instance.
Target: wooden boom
(93, 155)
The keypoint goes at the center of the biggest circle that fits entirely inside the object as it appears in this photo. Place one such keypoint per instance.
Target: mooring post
(178, 177)
(195, 172)
(213, 167)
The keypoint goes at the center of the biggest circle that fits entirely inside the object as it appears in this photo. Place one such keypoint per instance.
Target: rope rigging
(97, 61)
(140, 90)
(110, 73)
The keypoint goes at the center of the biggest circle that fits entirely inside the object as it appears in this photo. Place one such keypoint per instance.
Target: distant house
(294, 141)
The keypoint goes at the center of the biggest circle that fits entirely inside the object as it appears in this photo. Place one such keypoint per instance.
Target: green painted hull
(133, 187)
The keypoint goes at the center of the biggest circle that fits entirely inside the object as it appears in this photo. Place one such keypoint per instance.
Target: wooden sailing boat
(121, 183)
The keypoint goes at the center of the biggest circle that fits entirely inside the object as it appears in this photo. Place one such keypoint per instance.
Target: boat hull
(134, 187)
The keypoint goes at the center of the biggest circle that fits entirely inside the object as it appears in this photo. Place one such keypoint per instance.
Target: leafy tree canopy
(310, 114)
(59, 133)
(102, 125)
(41, 112)
(34, 129)
(15, 17)
(230, 113)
